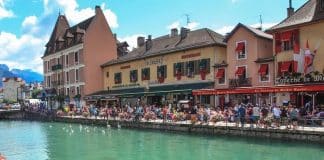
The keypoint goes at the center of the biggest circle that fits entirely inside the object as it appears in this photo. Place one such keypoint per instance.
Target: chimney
(184, 32)
(140, 41)
(174, 32)
(115, 36)
(148, 43)
(97, 9)
(290, 10)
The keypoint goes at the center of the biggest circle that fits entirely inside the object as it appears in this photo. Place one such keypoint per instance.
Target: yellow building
(165, 69)
(299, 51)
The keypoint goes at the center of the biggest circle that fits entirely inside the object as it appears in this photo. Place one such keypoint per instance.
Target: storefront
(295, 94)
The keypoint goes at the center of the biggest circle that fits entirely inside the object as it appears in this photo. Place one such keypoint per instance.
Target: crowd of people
(262, 116)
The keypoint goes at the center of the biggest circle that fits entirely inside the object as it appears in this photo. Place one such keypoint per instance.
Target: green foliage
(35, 93)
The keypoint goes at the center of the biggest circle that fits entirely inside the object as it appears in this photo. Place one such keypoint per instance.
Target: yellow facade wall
(214, 53)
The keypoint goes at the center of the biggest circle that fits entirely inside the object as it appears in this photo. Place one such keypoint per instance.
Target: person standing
(241, 114)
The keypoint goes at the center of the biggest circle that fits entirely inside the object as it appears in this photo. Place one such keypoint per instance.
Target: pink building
(74, 54)
(249, 63)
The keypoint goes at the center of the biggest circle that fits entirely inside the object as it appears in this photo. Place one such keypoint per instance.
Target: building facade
(165, 69)
(73, 57)
(249, 63)
(298, 50)
(12, 89)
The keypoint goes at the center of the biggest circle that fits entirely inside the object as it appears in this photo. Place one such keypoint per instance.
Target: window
(241, 50)
(67, 60)
(133, 76)
(190, 68)
(78, 90)
(205, 99)
(67, 77)
(107, 74)
(77, 75)
(162, 72)
(118, 78)
(48, 65)
(264, 72)
(241, 72)
(178, 69)
(49, 81)
(322, 5)
(58, 79)
(67, 91)
(58, 60)
(76, 57)
(287, 45)
(146, 74)
(220, 75)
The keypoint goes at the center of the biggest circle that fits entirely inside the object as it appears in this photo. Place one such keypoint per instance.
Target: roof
(168, 44)
(62, 30)
(256, 32)
(310, 12)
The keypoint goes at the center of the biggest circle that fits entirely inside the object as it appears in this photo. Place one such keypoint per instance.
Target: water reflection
(32, 140)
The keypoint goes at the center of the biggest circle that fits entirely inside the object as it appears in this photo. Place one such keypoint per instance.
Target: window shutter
(196, 67)
(208, 65)
(165, 71)
(148, 74)
(185, 66)
(174, 69)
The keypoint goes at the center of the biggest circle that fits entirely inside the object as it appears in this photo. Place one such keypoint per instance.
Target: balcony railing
(240, 82)
(57, 67)
(57, 83)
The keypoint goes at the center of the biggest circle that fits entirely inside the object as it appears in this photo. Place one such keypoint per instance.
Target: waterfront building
(249, 63)
(73, 57)
(12, 89)
(165, 69)
(298, 50)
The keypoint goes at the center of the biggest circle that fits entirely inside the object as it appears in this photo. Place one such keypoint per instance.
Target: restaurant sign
(126, 85)
(319, 78)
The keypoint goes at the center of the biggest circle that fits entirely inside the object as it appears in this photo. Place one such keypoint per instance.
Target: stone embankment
(300, 135)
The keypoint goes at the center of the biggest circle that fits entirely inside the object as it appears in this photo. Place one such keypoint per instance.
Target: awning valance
(220, 73)
(254, 90)
(240, 71)
(263, 69)
(240, 47)
(285, 66)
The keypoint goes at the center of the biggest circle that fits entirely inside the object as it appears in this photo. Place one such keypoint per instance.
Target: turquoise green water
(57, 141)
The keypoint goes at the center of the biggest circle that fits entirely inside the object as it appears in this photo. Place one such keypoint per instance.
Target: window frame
(245, 50)
(267, 75)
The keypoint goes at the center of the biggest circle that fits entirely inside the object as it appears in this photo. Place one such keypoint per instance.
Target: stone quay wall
(299, 135)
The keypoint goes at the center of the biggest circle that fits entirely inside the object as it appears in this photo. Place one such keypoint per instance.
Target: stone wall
(310, 136)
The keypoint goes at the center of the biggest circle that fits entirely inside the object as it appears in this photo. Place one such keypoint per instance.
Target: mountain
(26, 74)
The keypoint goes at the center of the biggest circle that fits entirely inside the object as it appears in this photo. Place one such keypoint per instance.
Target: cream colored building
(166, 68)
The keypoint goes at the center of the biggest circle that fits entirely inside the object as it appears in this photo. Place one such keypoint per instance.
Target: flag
(309, 58)
(299, 59)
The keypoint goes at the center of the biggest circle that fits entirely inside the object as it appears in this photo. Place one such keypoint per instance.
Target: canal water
(61, 141)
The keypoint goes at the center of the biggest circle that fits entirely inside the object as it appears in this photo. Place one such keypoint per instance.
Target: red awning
(240, 47)
(220, 73)
(240, 71)
(285, 66)
(286, 36)
(254, 90)
(263, 69)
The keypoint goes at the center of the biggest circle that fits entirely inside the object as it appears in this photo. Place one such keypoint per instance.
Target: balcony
(57, 67)
(240, 82)
(57, 83)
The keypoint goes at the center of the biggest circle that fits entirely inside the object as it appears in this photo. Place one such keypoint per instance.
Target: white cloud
(192, 25)
(131, 40)
(30, 20)
(176, 24)
(265, 26)
(5, 13)
(227, 29)
(75, 15)
(21, 52)
(25, 51)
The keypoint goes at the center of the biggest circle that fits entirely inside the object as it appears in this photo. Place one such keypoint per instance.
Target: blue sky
(25, 25)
